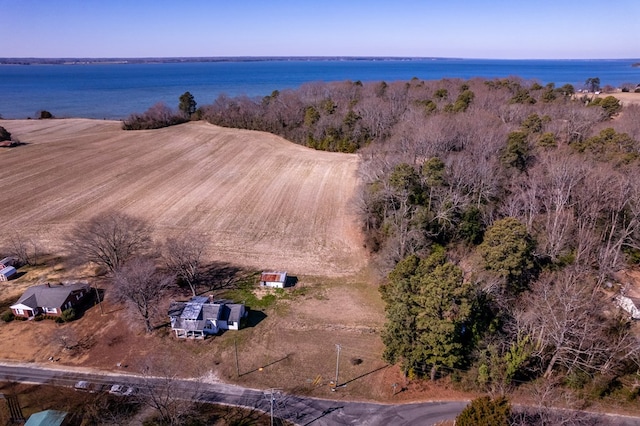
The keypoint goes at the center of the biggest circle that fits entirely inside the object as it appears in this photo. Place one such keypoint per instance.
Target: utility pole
(272, 399)
(338, 347)
(271, 406)
(235, 341)
(98, 297)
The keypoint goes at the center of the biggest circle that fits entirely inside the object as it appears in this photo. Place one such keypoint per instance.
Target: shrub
(485, 411)
(7, 316)
(68, 315)
(156, 117)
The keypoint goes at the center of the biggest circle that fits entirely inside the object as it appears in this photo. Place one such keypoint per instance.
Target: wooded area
(504, 210)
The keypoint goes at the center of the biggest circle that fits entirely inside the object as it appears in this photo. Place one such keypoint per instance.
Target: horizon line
(281, 58)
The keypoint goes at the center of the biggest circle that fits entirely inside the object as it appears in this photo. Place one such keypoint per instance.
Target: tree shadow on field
(224, 276)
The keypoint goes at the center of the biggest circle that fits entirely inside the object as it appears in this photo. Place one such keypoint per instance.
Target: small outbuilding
(7, 272)
(47, 418)
(7, 261)
(273, 279)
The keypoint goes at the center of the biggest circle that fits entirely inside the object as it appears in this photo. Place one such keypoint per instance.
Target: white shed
(7, 273)
(273, 279)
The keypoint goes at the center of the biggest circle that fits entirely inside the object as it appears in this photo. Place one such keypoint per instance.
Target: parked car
(82, 385)
(122, 390)
(85, 386)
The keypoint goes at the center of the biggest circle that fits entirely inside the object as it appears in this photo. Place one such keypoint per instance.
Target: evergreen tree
(428, 306)
(187, 104)
(507, 250)
(4, 134)
(485, 411)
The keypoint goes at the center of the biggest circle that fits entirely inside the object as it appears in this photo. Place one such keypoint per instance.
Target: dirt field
(264, 202)
(627, 98)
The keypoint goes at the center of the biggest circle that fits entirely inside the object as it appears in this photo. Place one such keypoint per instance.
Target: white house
(200, 317)
(273, 279)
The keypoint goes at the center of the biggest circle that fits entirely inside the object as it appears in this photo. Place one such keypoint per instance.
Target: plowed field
(264, 202)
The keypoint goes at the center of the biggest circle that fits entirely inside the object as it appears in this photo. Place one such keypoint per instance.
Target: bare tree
(183, 256)
(558, 176)
(65, 337)
(104, 410)
(110, 239)
(173, 399)
(27, 249)
(564, 316)
(140, 285)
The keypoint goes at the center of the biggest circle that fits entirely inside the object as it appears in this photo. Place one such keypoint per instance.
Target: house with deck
(273, 279)
(201, 316)
(49, 299)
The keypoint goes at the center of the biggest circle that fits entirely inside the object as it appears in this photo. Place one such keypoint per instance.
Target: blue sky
(560, 29)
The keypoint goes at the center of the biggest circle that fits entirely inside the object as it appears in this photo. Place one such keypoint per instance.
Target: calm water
(117, 90)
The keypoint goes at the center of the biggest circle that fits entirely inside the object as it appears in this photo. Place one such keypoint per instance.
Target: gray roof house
(201, 316)
(49, 299)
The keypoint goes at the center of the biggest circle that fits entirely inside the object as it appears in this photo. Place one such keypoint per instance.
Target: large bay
(114, 91)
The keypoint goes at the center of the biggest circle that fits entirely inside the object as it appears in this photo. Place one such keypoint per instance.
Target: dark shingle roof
(47, 295)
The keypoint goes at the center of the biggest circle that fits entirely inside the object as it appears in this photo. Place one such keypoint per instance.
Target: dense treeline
(504, 210)
(532, 193)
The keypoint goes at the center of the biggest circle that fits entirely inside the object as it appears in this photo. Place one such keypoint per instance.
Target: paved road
(296, 409)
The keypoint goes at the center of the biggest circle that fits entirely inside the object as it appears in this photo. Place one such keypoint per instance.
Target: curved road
(296, 409)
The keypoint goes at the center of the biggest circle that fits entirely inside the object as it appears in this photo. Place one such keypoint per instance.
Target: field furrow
(264, 202)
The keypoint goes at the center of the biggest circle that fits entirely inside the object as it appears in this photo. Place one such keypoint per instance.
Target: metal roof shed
(7, 273)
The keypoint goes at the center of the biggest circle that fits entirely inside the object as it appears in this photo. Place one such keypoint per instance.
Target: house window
(19, 311)
(50, 310)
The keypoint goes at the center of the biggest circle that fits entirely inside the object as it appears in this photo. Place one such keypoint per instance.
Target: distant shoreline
(179, 60)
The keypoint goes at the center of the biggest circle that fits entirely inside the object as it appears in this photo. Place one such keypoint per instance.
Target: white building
(273, 279)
